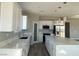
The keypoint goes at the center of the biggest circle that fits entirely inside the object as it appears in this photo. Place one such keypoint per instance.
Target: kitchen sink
(23, 37)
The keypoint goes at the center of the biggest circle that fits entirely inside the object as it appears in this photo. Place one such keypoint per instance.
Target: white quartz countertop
(17, 43)
(62, 41)
(62, 46)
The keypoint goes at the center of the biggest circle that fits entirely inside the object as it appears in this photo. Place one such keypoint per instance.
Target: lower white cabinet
(25, 45)
(10, 52)
(49, 44)
(67, 50)
(14, 46)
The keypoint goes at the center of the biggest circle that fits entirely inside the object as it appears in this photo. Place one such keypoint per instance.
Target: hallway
(38, 49)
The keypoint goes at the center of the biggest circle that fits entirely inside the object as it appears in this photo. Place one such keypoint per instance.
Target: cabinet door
(6, 16)
(10, 17)
(16, 18)
(19, 19)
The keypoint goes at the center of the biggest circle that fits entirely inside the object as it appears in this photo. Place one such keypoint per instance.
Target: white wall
(74, 28)
(31, 18)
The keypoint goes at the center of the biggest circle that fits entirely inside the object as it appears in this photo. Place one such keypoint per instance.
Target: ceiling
(55, 9)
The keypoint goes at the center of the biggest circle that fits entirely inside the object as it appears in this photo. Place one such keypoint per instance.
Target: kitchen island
(57, 46)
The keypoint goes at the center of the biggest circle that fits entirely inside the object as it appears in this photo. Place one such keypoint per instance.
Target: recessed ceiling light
(65, 2)
(59, 7)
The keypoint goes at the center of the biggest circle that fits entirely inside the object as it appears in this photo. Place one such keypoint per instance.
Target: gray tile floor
(38, 49)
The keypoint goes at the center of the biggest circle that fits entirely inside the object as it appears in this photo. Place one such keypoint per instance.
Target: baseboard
(74, 38)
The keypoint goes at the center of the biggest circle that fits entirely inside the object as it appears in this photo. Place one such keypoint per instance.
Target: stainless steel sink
(23, 37)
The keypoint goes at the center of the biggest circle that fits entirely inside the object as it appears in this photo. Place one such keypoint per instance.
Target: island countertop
(62, 41)
(55, 45)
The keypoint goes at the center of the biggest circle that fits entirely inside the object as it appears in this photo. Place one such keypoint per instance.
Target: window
(24, 22)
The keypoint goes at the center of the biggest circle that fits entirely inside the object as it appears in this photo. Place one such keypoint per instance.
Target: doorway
(59, 30)
(54, 29)
(67, 29)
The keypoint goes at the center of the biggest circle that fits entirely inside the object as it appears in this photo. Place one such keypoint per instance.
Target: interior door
(54, 29)
(35, 31)
(67, 29)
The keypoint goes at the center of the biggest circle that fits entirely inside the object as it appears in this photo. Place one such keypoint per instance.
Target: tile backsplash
(6, 35)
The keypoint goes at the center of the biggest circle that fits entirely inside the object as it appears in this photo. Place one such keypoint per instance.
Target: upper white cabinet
(10, 17)
(17, 17)
(49, 23)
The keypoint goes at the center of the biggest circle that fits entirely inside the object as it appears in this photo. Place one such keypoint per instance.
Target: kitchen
(22, 26)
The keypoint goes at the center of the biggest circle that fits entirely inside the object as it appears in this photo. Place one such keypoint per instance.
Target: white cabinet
(17, 17)
(41, 30)
(10, 17)
(11, 52)
(67, 50)
(50, 45)
(49, 23)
